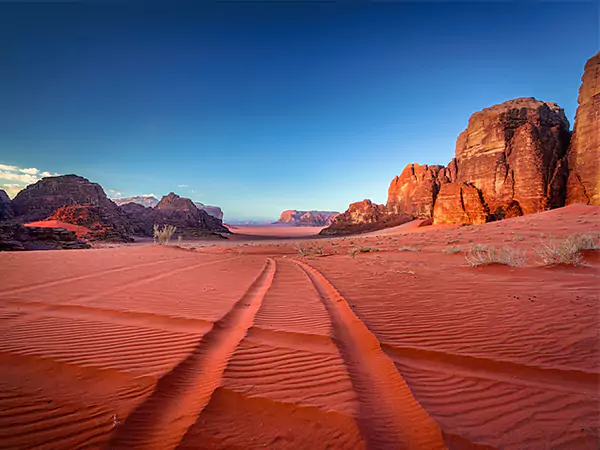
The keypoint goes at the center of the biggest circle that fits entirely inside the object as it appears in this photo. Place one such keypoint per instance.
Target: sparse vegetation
(452, 249)
(407, 248)
(482, 255)
(568, 251)
(162, 235)
(354, 250)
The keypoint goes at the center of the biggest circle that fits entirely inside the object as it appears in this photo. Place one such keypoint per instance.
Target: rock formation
(364, 216)
(413, 192)
(307, 218)
(146, 200)
(98, 219)
(173, 210)
(583, 185)
(6, 209)
(15, 236)
(214, 211)
(460, 203)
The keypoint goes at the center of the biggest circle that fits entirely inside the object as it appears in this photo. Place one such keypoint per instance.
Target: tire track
(164, 418)
(389, 416)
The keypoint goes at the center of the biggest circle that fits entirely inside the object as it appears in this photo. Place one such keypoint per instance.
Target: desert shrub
(353, 251)
(179, 239)
(303, 251)
(162, 235)
(452, 249)
(555, 252)
(407, 248)
(452, 241)
(482, 255)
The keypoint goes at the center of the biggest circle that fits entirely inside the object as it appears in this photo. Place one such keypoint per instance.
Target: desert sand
(294, 343)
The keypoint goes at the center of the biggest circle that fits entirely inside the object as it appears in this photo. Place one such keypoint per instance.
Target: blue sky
(263, 107)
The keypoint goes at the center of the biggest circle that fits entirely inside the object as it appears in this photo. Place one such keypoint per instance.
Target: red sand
(78, 229)
(252, 345)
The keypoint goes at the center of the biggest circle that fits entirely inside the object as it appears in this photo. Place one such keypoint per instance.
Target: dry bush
(353, 251)
(482, 255)
(452, 249)
(163, 235)
(567, 251)
(407, 248)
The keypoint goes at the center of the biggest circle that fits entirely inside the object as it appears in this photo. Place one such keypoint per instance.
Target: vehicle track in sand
(389, 416)
(162, 420)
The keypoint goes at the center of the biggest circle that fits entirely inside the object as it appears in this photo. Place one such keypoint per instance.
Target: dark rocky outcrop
(98, 219)
(307, 218)
(583, 184)
(364, 216)
(6, 209)
(173, 210)
(15, 236)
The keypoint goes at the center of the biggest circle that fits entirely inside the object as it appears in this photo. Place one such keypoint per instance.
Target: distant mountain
(149, 201)
(307, 218)
(214, 211)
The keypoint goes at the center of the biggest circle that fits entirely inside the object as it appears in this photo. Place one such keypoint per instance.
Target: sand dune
(256, 346)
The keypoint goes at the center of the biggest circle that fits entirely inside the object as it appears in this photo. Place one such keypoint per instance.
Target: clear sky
(261, 107)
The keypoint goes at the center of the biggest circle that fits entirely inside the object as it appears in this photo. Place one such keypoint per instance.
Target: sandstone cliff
(214, 211)
(307, 218)
(414, 191)
(100, 220)
(583, 184)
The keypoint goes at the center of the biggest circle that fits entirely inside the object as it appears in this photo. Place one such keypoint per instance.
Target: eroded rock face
(460, 203)
(19, 237)
(413, 192)
(510, 152)
(307, 218)
(140, 217)
(364, 216)
(98, 219)
(6, 209)
(583, 184)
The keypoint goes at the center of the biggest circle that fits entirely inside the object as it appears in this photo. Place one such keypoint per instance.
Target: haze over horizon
(260, 108)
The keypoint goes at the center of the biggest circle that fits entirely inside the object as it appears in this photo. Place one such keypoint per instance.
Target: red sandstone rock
(510, 152)
(583, 184)
(414, 191)
(98, 219)
(364, 216)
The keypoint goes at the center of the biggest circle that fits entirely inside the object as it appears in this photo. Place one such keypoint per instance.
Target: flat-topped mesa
(583, 184)
(414, 191)
(307, 218)
(512, 154)
(363, 216)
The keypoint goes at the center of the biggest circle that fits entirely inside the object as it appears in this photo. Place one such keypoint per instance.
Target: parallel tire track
(389, 416)
(163, 419)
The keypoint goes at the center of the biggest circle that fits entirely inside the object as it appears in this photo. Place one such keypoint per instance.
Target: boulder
(6, 209)
(583, 185)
